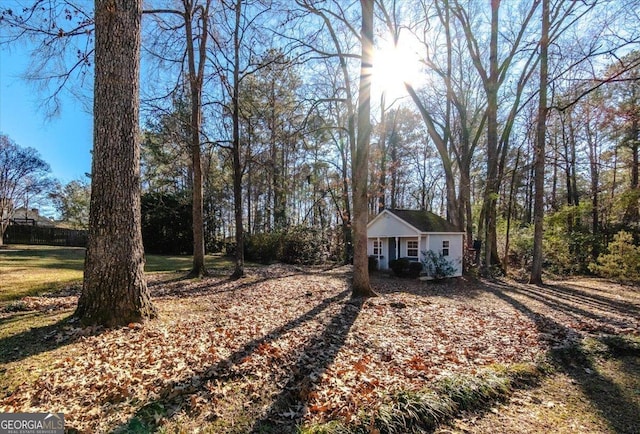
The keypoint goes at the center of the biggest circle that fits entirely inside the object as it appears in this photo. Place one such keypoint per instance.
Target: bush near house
(437, 266)
(405, 267)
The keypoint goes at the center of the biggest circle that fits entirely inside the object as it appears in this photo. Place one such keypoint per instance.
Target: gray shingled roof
(424, 221)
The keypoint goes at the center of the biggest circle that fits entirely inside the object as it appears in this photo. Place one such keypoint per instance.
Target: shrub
(622, 262)
(415, 268)
(437, 266)
(263, 247)
(405, 267)
(303, 245)
(373, 263)
(230, 248)
(399, 265)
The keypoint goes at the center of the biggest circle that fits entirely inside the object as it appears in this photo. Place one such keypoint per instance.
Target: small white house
(401, 233)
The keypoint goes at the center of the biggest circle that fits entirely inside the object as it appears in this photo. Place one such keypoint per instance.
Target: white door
(381, 251)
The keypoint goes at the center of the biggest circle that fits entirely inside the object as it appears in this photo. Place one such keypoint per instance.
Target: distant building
(30, 217)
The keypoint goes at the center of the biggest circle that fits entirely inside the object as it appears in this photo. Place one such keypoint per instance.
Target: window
(412, 248)
(445, 248)
(377, 247)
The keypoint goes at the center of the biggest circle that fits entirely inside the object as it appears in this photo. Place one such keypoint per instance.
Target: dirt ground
(287, 347)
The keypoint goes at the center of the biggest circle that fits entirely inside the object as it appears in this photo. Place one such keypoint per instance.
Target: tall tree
(334, 20)
(193, 17)
(360, 164)
(196, 58)
(238, 270)
(493, 74)
(539, 160)
(114, 290)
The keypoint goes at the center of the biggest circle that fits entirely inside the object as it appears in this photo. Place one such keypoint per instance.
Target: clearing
(286, 349)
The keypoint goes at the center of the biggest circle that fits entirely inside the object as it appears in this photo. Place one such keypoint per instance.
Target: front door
(383, 263)
(383, 260)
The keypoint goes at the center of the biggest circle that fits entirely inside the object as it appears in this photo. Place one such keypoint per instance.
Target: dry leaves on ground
(286, 346)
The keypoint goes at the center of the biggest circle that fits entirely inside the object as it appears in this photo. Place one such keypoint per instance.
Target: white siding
(455, 248)
(388, 225)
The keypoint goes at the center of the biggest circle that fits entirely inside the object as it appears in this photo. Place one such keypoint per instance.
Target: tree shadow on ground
(569, 356)
(316, 357)
(456, 287)
(42, 339)
(288, 407)
(581, 310)
(589, 296)
(67, 258)
(215, 284)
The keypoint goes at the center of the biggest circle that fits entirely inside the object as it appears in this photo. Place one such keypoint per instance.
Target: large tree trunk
(115, 291)
(493, 183)
(538, 207)
(361, 286)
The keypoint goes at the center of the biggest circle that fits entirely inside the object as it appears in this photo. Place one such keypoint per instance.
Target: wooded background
(249, 118)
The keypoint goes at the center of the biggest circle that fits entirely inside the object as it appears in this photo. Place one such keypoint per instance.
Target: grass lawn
(286, 350)
(35, 270)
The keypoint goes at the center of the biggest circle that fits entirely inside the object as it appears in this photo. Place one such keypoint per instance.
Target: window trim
(377, 247)
(445, 247)
(417, 248)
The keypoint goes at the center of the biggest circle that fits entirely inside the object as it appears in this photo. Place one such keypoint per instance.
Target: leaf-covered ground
(287, 347)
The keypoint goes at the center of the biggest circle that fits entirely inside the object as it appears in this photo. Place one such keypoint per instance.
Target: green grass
(34, 270)
(424, 410)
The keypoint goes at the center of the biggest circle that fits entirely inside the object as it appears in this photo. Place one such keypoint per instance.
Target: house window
(445, 248)
(377, 248)
(412, 248)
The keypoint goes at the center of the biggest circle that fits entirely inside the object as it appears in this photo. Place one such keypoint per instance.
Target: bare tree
(19, 169)
(62, 34)
(193, 19)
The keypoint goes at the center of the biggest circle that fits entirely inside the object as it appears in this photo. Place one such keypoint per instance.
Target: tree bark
(382, 181)
(493, 183)
(196, 77)
(238, 270)
(115, 291)
(538, 206)
(512, 187)
(361, 285)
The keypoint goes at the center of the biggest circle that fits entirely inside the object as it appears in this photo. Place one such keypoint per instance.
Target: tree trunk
(632, 213)
(594, 166)
(382, 182)
(195, 83)
(493, 183)
(238, 270)
(538, 207)
(115, 290)
(512, 187)
(361, 286)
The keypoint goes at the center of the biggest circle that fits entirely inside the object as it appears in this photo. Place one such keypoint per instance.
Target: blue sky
(64, 142)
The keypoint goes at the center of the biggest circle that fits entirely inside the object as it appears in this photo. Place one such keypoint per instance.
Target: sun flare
(393, 66)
